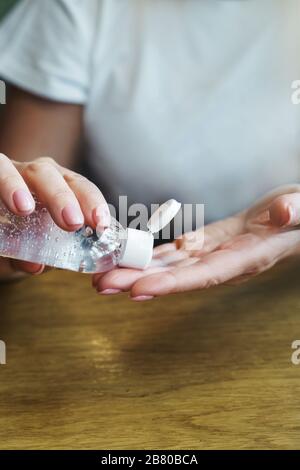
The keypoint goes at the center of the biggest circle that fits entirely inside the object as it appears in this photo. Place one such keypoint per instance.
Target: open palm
(234, 249)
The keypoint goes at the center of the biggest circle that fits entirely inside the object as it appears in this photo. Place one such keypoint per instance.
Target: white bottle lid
(163, 215)
(138, 249)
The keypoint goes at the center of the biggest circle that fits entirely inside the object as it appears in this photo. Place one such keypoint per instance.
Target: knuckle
(48, 160)
(44, 164)
(72, 177)
(31, 167)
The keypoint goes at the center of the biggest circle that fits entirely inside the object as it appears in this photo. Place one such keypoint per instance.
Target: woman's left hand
(234, 250)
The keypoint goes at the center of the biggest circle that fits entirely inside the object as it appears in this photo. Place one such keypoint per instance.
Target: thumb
(285, 210)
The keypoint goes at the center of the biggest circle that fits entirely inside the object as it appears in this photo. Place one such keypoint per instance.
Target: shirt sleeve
(46, 47)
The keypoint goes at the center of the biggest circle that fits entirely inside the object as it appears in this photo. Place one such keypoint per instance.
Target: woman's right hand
(71, 199)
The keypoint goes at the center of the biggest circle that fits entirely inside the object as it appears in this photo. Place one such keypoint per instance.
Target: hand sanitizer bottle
(38, 239)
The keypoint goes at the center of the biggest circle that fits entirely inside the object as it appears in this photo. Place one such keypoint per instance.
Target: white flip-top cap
(138, 249)
(163, 215)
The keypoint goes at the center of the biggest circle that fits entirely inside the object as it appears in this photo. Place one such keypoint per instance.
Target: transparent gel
(36, 238)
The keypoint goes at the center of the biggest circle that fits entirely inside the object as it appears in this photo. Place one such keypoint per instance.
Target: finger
(173, 257)
(9, 266)
(214, 234)
(27, 267)
(187, 262)
(90, 198)
(250, 254)
(160, 259)
(13, 189)
(122, 279)
(265, 202)
(96, 277)
(162, 249)
(285, 210)
(51, 189)
(157, 262)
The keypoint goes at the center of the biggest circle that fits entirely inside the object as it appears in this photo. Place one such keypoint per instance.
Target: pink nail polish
(39, 271)
(23, 200)
(72, 215)
(110, 291)
(140, 298)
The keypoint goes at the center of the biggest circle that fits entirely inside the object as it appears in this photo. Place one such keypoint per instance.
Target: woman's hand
(234, 250)
(71, 199)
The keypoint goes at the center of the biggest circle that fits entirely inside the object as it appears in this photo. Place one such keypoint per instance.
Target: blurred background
(5, 5)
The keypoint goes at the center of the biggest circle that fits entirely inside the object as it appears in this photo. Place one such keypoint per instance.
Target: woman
(180, 99)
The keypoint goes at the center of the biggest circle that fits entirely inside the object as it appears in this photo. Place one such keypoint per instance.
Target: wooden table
(210, 369)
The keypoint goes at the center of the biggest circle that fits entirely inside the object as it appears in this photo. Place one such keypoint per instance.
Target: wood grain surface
(202, 370)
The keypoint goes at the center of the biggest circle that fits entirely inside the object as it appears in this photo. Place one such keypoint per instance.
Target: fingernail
(72, 215)
(140, 298)
(109, 291)
(102, 216)
(39, 271)
(23, 200)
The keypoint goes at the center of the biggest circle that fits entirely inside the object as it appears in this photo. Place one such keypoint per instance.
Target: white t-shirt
(183, 98)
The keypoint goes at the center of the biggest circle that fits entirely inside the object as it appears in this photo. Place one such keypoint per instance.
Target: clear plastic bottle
(36, 238)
